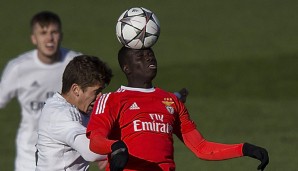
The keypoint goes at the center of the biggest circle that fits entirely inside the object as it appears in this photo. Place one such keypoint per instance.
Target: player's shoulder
(68, 54)
(106, 96)
(58, 108)
(111, 98)
(162, 91)
(23, 58)
(118, 92)
(121, 92)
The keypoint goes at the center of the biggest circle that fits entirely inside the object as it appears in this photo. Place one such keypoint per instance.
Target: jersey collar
(145, 90)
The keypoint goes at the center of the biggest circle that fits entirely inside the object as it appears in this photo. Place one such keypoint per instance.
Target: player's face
(88, 97)
(143, 65)
(47, 40)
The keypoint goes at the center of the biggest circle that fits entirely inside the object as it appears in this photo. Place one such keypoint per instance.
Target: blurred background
(238, 59)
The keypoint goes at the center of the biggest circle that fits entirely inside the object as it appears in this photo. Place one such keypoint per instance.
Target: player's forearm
(209, 150)
(216, 151)
(81, 144)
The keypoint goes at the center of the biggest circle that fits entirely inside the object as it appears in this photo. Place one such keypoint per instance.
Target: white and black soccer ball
(138, 28)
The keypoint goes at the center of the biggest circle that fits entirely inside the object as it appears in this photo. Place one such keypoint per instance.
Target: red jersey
(145, 119)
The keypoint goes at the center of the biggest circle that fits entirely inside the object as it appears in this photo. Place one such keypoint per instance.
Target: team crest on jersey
(168, 104)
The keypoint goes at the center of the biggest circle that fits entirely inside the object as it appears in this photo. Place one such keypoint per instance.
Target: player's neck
(49, 59)
(140, 84)
(69, 97)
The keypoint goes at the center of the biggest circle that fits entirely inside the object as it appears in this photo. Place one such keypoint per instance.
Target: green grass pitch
(238, 60)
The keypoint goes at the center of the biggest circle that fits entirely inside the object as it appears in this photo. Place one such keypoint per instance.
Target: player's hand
(182, 94)
(257, 153)
(119, 156)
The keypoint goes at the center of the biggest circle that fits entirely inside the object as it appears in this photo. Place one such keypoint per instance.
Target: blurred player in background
(62, 143)
(135, 124)
(33, 77)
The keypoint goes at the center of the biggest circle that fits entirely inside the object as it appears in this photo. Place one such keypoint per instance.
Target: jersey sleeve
(8, 84)
(210, 150)
(103, 117)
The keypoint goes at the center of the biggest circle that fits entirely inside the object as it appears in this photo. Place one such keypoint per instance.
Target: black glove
(257, 153)
(119, 156)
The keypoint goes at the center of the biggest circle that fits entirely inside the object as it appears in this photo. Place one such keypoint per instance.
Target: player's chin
(89, 109)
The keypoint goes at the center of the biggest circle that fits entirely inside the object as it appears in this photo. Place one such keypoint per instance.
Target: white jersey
(32, 82)
(62, 143)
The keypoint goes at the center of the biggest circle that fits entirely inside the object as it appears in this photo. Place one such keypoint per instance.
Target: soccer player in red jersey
(135, 124)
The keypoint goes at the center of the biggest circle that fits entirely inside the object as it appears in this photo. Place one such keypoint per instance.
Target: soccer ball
(137, 28)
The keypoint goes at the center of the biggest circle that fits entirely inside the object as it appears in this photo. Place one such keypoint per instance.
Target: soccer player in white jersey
(33, 77)
(62, 143)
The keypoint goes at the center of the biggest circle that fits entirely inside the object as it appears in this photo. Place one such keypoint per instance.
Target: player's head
(83, 79)
(46, 35)
(44, 19)
(138, 64)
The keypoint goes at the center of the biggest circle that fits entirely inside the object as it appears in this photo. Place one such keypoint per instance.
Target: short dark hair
(44, 18)
(86, 71)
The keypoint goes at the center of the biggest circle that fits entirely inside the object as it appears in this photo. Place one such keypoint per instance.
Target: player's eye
(43, 32)
(55, 32)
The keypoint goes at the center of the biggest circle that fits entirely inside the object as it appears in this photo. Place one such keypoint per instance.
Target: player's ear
(126, 69)
(33, 39)
(75, 89)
